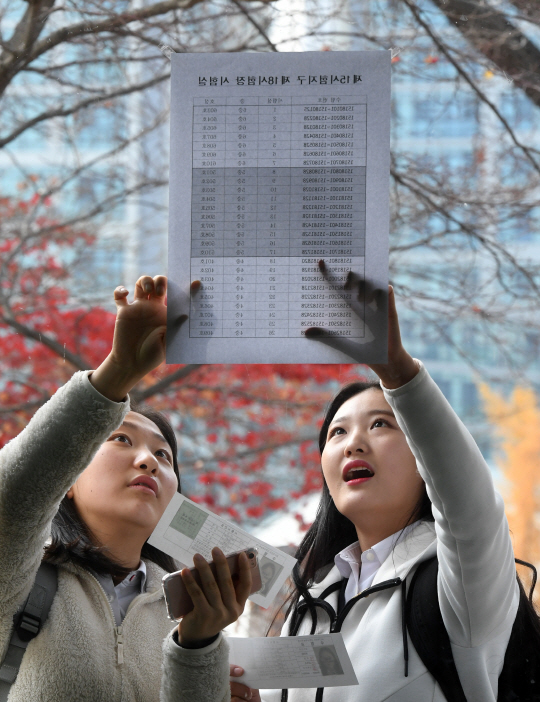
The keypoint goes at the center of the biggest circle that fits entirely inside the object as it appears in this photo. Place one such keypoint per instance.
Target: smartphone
(177, 598)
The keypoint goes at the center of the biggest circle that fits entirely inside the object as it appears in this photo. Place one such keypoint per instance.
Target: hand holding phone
(217, 601)
(177, 598)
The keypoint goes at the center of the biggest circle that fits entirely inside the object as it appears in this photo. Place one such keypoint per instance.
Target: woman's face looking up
(368, 466)
(129, 482)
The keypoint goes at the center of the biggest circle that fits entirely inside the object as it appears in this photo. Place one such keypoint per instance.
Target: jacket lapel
(419, 545)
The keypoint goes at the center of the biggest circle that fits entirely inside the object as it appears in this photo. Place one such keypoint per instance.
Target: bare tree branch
(529, 8)
(443, 48)
(491, 33)
(164, 384)
(29, 404)
(57, 348)
(279, 401)
(24, 406)
(272, 446)
(19, 57)
(83, 104)
(489, 245)
(27, 30)
(256, 25)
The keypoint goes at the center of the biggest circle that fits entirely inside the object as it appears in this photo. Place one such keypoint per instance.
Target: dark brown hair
(71, 539)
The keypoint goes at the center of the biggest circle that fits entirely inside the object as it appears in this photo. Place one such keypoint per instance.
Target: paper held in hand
(187, 528)
(292, 661)
(278, 160)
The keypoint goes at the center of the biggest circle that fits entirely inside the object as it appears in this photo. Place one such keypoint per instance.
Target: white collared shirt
(362, 567)
(120, 596)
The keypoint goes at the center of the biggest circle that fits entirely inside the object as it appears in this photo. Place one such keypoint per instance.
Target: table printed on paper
(277, 161)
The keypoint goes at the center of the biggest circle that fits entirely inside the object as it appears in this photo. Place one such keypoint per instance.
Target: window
(470, 402)
(99, 127)
(454, 115)
(518, 110)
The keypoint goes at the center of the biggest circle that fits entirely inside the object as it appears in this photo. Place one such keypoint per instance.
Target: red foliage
(302, 525)
(247, 433)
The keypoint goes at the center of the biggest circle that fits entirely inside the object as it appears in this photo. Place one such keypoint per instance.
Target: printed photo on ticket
(292, 661)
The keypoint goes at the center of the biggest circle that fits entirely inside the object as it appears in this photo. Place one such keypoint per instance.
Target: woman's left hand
(400, 366)
(218, 603)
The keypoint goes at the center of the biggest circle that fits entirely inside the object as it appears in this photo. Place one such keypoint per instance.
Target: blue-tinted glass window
(99, 127)
(520, 112)
(470, 401)
(448, 116)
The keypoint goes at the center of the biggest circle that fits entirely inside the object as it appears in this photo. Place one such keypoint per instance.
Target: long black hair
(331, 531)
(71, 539)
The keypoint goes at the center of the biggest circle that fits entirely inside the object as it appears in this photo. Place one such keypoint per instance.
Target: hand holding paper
(366, 302)
(187, 528)
(364, 299)
(239, 691)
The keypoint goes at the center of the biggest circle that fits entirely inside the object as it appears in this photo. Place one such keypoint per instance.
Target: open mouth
(358, 474)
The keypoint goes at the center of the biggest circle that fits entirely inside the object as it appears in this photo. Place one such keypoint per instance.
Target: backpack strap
(27, 624)
(428, 633)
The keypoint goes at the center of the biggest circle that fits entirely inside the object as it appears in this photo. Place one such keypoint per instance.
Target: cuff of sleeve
(418, 378)
(193, 652)
(85, 377)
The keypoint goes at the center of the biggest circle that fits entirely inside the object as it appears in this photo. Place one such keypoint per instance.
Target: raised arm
(44, 460)
(477, 580)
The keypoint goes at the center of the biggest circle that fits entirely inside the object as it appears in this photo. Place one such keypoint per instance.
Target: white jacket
(477, 586)
(80, 654)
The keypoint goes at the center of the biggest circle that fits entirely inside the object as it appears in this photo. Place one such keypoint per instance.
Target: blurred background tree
(246, 433)
(516, 421)
(83, 172)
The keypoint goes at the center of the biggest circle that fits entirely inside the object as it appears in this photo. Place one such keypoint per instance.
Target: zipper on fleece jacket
(118, 632)
(119, 644)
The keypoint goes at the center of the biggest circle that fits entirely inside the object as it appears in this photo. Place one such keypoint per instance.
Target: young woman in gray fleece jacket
(107, 637)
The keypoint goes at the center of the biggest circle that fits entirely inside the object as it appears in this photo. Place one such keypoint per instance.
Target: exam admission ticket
(292, 661)
(187, 528)
(277, 161)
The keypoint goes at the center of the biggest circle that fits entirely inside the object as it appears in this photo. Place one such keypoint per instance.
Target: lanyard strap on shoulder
(27, 624)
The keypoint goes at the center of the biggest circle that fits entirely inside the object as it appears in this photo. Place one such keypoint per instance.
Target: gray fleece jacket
(80, 654)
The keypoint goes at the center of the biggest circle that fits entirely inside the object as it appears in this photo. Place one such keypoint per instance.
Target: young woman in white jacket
(102, 475)
(403, 481)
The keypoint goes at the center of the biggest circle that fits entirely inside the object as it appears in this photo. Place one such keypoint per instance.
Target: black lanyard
(336, 618)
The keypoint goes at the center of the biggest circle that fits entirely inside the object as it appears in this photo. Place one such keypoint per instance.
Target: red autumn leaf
(239, 427)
